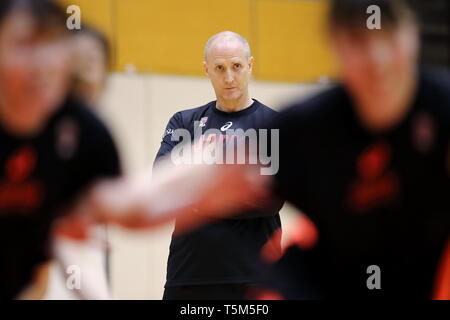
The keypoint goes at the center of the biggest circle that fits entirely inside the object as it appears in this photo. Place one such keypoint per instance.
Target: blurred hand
(227, 189)
(75, 225)
(300, 232)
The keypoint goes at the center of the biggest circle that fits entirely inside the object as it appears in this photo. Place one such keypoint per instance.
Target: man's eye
(237, 66)
(220, 68)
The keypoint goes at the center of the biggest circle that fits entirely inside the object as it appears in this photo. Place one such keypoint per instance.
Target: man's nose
(229, 77)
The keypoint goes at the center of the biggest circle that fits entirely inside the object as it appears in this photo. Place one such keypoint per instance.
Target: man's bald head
(227, 36)
(228, 65)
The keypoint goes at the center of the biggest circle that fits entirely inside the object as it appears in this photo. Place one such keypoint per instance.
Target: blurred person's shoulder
(77, 115)
(82, 133)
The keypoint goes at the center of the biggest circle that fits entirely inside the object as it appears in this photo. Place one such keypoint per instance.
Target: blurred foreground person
(53, 150)
(368, 162)
(90, 66)
(45, 156)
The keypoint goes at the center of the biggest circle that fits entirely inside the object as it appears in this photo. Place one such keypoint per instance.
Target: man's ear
(250, 64)
(205, 66)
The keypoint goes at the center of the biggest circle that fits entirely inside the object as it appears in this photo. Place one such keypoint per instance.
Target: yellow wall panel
(169, 36)
(291, 42)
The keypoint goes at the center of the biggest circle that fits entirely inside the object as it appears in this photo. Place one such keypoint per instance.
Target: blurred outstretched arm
(192, 194)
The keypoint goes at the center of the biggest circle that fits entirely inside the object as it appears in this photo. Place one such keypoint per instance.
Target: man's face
(375, 63)
(34, 72)
(228, 69)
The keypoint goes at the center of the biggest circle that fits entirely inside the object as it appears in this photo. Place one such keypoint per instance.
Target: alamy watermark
(236, 146)
(73, 281)
(73, 22)
(374, 20)
(374, 280)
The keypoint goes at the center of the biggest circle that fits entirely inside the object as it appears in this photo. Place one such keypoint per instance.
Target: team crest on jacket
(203, 121)
(167, 132)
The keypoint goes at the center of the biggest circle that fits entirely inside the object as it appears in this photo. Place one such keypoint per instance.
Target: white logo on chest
(226, 126)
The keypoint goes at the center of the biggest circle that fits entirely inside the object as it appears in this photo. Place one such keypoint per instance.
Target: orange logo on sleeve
(19, 192)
